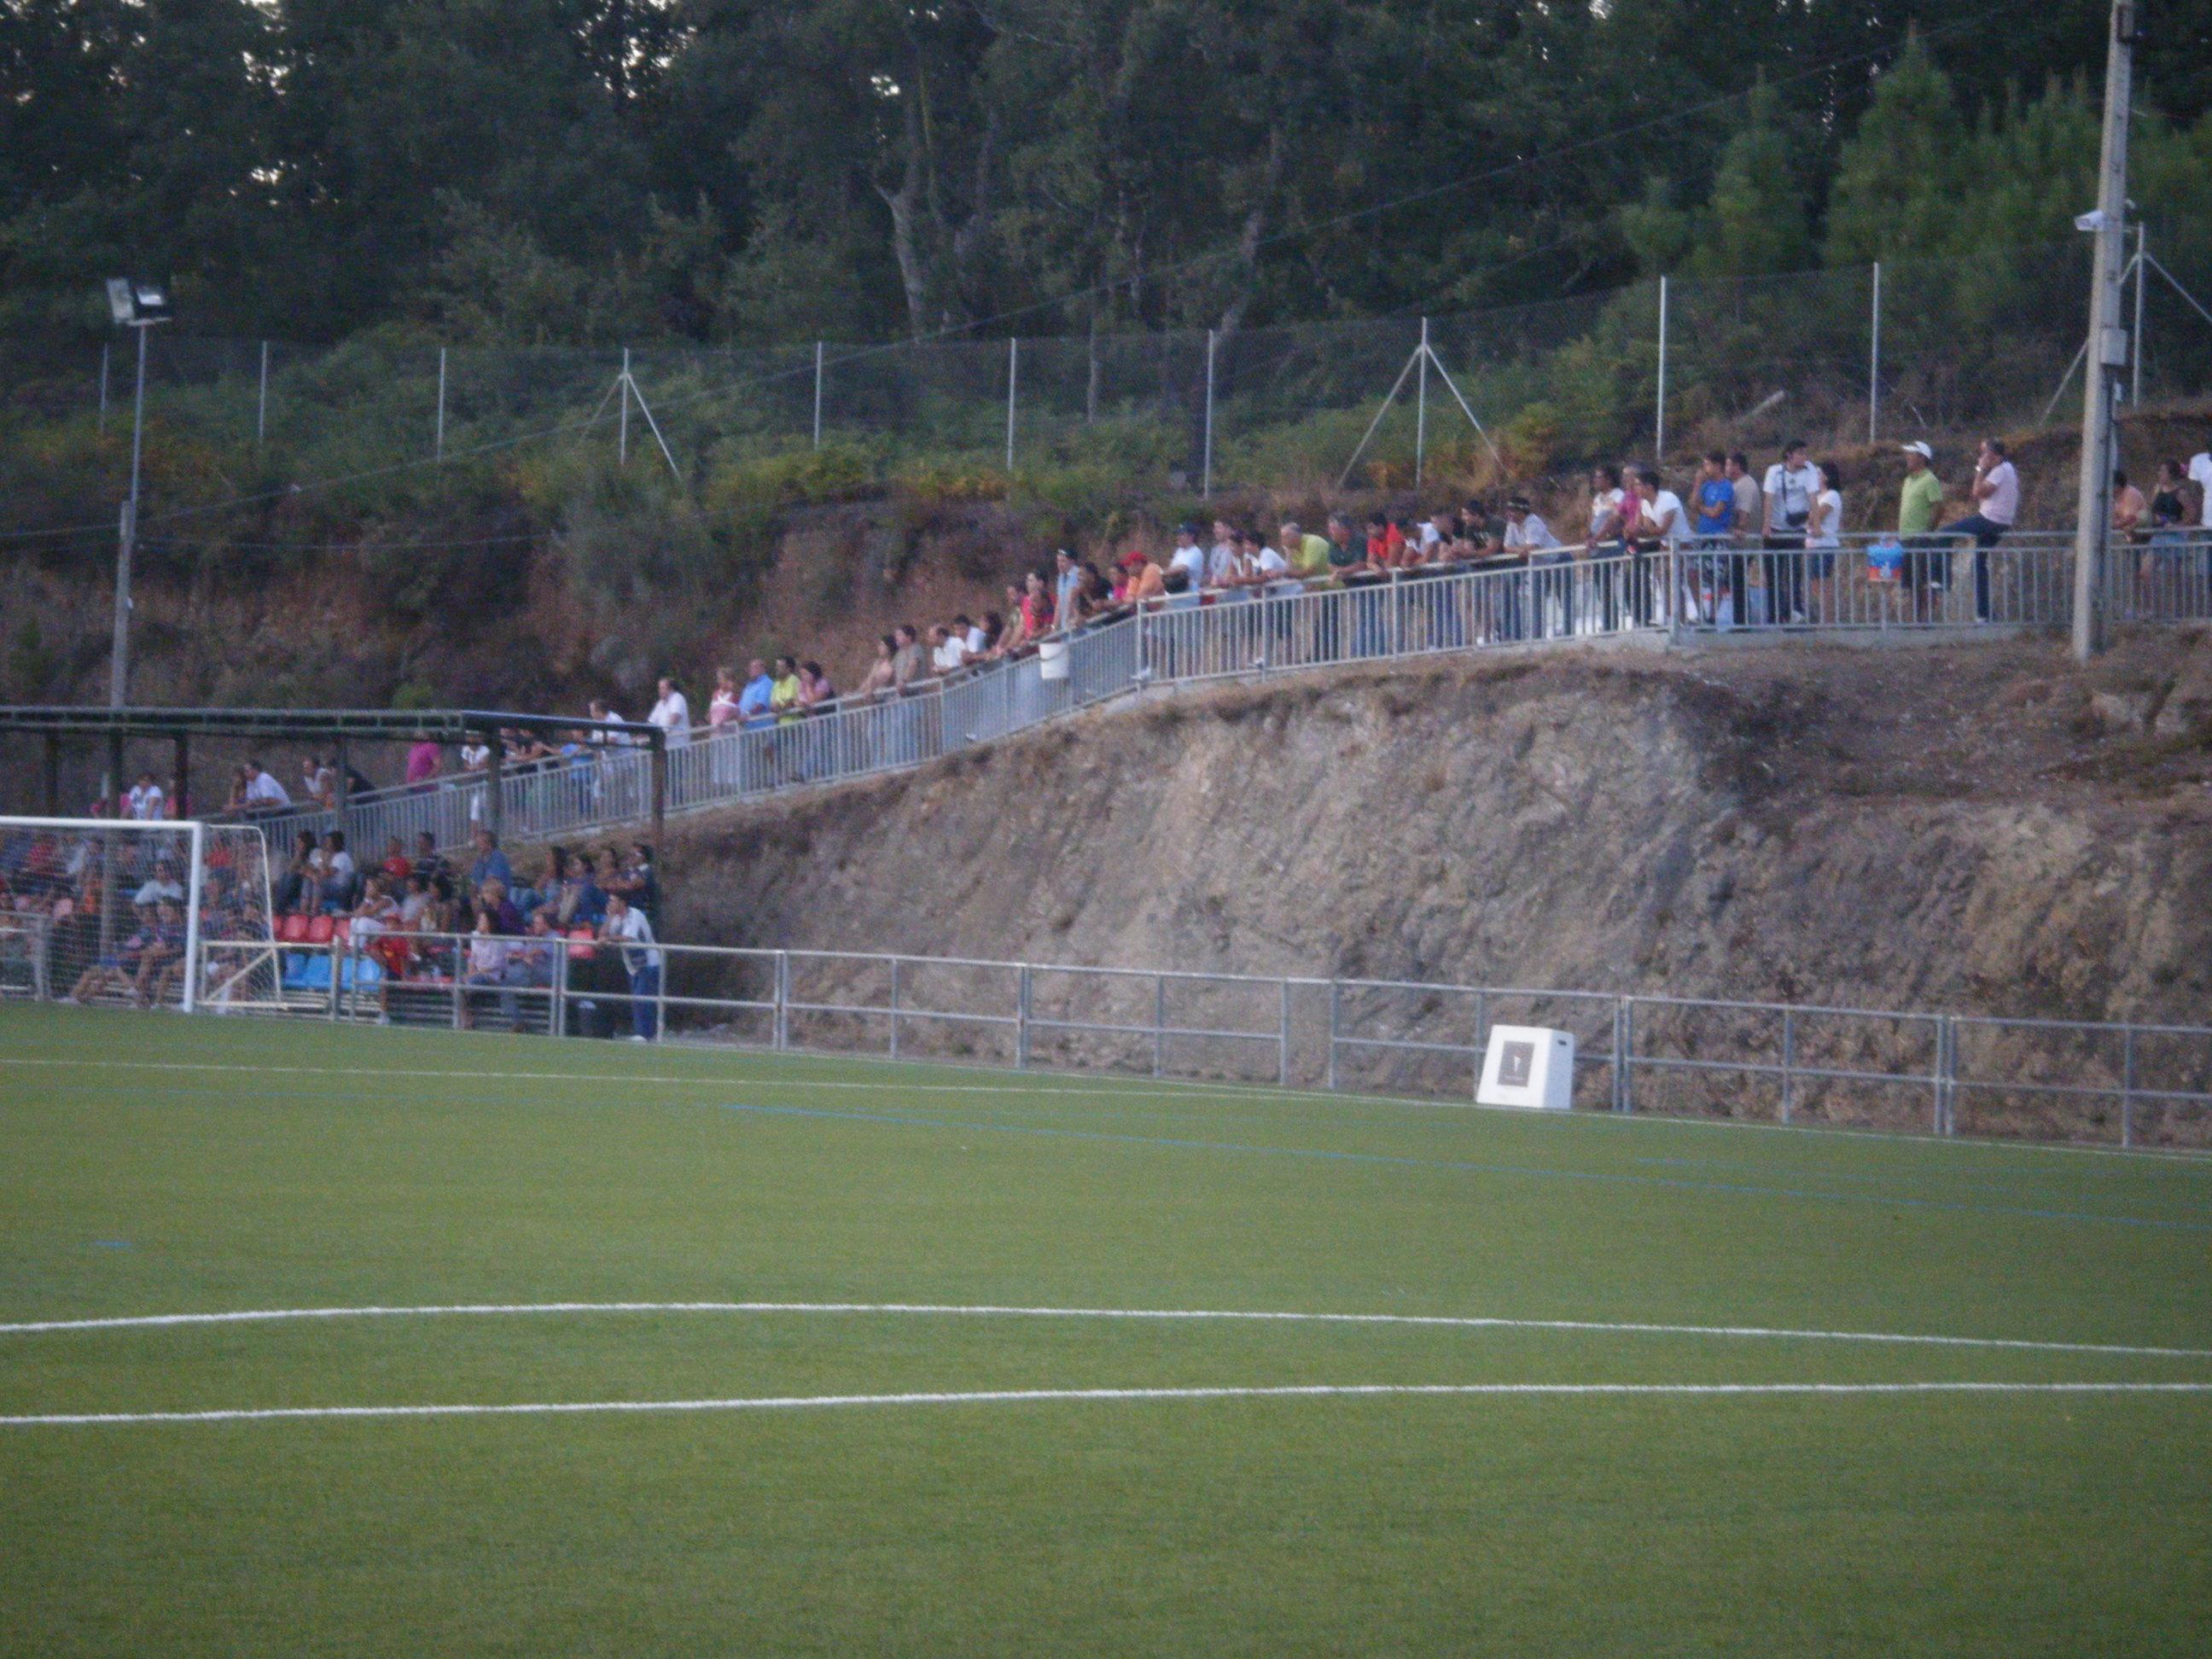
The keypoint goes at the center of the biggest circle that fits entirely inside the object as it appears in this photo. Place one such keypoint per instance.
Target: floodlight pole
(622, 431)
(2106, 348)
(119, 671)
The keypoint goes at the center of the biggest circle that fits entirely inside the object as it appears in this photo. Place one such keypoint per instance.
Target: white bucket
(1052, 659)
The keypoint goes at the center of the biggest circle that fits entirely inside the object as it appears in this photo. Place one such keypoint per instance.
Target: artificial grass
(153, 1164)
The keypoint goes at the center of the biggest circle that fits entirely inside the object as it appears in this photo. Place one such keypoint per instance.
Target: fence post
(2127, 1085)
(1482, 1035)
(1283, 1042)
(894, 1006)
(1159, 1024)
(335, 964)
(1205, 472)
(1789, 1059)
(556, 1014)
(1946, 1070)
(1874, 359)
(1659, 430)
(261, 407)
(621, 427)
(782, 1021)
(438, 449)
(1013, 375)
(1335, 1003)
(1021, 1020)
(1623, 1040)
(817, 394)
(103, 388)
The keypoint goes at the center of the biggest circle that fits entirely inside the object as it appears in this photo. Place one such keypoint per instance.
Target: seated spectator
(119, 969)
(395, 863)
(378, 911)
(416, 910)
(492, 900)
(428, 861)
(491, 864)
(163, 888)
(319, 781)
(580, 901)
(486, 962)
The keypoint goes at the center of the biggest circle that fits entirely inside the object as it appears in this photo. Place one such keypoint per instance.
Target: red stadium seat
(344, 929)
(293, 931)
(321, 930)
(580, 944)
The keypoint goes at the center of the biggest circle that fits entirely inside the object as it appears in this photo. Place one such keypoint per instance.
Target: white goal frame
(196, 829)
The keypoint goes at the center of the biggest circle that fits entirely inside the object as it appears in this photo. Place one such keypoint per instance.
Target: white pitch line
(1017, 1396)
(997, 1310)
(1107, 1089)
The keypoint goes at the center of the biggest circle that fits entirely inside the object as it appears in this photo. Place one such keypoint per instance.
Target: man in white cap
(1928, 559)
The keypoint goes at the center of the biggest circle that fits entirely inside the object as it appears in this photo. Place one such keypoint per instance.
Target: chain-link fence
(1835, 355)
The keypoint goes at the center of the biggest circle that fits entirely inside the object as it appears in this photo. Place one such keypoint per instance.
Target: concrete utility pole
(2107, 349)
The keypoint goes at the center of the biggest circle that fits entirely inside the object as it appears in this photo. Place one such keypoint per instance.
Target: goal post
(166, 913)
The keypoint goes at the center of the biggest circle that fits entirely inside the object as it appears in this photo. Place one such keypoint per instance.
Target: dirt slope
(1981, 829)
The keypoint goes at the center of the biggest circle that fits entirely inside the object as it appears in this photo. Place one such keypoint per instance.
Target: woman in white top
(1823, 526)
(722, 708)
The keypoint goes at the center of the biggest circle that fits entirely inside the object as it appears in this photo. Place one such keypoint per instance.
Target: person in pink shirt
(423, 762)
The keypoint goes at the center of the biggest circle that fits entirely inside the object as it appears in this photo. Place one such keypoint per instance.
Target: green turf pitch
(154, 1165)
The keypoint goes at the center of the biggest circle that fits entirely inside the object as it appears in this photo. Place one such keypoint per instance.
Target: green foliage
(1898, 188)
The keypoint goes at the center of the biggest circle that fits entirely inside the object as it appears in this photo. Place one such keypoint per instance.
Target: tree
(1897, 185)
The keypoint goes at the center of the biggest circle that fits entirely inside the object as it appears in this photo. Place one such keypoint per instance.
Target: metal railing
(1867, 584)
(2122, 1084)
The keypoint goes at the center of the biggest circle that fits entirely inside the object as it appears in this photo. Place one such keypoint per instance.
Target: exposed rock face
(1956, 829)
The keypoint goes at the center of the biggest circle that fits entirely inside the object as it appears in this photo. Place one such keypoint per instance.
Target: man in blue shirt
(1715, 509)
(757, 700)
(491, 864)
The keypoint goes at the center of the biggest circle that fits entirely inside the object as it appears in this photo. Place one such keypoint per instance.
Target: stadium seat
(580, 944)
(294, 930)
(344, 934)
(321, 930)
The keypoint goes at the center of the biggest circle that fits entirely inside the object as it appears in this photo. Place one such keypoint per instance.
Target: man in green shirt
(1310, 562)
(1927, 558)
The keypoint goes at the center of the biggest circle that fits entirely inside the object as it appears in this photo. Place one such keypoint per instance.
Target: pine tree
(1901, 178)
(1756, 223)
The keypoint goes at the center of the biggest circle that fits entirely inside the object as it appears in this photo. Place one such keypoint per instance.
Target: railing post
(1624, 1057)
(556, 1012)
(1789, 1060)
(1283, 1041)
(2127, 1086)
(1021, 1020)
(1946, 1070)
(1159, 1024)
(1335, 1005)
(782, 1018)
(1481, 1033)
(336, 962)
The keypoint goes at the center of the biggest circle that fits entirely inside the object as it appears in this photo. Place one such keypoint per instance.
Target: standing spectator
(1823, 538)
(1067, 582)
(1037, 606)
(1791, 484)
(1927, 557)
(1142, 579)
(491, 864)
(1186, 571)
(424, 762)
(2200, 475)
(600, 712)
(722, 708)
(263, 793)
(2129, 509)
(1528, 536)
(1714, 517)
(1671, 533)
(672, 714)
(2170, 518)
(319, 781)
(879, 682)
(754, 701)
(784, 692)
(1749, 517)
(626, 924)
(1224, 560)
(948, 649)
(146, 803)
(1607, 540)
(815, 690)
(910, 667)
(1996, 492)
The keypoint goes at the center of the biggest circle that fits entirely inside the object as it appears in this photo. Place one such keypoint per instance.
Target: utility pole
(2106, 352)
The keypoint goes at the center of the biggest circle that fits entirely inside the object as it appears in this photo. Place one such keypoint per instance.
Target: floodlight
(135, 301)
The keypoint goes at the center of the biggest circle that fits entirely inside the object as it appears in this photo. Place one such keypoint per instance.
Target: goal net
(171, 913)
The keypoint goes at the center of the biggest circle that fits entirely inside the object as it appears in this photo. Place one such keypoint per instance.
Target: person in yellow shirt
(783, 692)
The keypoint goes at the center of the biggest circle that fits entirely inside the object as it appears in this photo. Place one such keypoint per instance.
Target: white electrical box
(1528, 1066)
